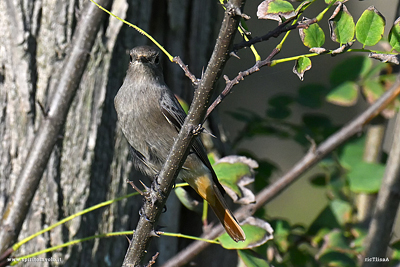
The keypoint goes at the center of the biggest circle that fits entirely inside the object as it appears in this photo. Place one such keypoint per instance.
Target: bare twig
(163, 183)
(153, 260)
(230, 83)
(310, 159)
(47, 135)
(135, 187)
(275, 32)
(185, 68)
(259, 64)
(5, 256)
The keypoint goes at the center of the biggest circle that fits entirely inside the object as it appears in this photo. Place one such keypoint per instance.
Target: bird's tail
(226, 217)
(208, 190)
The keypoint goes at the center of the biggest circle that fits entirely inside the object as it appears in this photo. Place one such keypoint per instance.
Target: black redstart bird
(150, 118)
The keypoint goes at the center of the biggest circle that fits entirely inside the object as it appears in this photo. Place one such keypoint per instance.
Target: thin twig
(185, 68)
(259, 64)
(276, 32)
(135, 187)
(153, 260)
(230, 83)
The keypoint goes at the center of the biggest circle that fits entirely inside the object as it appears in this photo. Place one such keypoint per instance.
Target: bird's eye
(157, 60)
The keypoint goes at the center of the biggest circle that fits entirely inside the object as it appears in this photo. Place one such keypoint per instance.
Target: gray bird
(150, 117)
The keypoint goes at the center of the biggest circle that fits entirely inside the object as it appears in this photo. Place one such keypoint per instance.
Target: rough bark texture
(90, 162)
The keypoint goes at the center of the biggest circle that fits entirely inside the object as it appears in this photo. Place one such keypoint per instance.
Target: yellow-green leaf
(313, 36)
(344, 95)
(394, 35)
(370, 27)
(302, 65)
(341, 25)
(275, 10)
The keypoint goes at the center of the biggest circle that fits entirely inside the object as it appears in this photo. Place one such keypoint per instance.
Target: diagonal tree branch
(40, 151)
(162, 185)
(310, 159)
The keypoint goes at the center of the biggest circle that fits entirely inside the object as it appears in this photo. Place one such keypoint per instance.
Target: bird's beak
(142, 59)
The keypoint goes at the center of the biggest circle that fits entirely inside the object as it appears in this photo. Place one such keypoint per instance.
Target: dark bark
(90, 160)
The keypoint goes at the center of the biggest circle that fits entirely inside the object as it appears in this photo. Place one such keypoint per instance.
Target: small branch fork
(185, 68)
(257, 66)
(238, 78)
(283, 27)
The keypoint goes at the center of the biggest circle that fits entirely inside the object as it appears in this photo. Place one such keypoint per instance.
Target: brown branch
(311, 158)
(47, 135)
(275, 32)
(230, 83)
(163, 183)
(259, 64)
(185, 68)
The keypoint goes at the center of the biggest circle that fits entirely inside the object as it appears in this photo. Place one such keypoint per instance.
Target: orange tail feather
(208, 190)
(227, 219)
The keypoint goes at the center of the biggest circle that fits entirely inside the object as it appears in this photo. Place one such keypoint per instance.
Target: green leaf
(334, 258)
(344, 95)
(318, 180)
(302, 65)
(281, 234)
(275, 10)
(313, 36)
(254, 235)
(341, 25)
(278, 107)
(311, 95)
(363, 177)
(341, 210)
(303, 6)
(366, 177)
(376, 71)
(372, 90)
(335, 239)
(315, 121)
(370, 27)
(394, 35)
(245, 115)
(335, 215)
(250, 259)
(329, 1)
(352, 153)
(351, 69)
(396, 250)
(280, 100)
(230, 173)
(359, 234)
(187, 200)
(278, 113)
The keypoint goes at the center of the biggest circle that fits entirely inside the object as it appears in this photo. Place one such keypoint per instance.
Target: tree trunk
(90, 162)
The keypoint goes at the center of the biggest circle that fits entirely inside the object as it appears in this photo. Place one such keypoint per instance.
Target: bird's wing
(175, 115)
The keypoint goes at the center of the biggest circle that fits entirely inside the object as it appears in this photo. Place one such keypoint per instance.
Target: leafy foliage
(334, 237)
